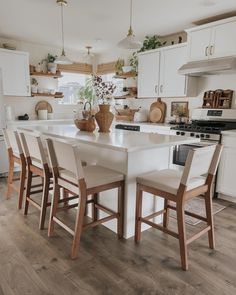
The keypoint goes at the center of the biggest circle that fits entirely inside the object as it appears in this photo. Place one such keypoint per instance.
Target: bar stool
(68, 173)
(172, 185)
(37, 164)
(15, 155)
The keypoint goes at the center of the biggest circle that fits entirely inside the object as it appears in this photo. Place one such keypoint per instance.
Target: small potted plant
(34, 85)
(119, 66)
(52, 67)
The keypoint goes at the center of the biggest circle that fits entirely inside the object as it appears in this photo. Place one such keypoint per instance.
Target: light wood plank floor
(31, 263)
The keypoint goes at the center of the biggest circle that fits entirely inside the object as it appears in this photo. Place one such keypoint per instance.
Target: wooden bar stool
(15, 155)
(69, 174)
(37, 164)
(172, 185)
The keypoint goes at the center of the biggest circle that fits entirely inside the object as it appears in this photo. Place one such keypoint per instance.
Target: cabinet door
(148, 74)
(226, 183)
(199, 44)
(223, 40)
(15, 72)
(172, 84)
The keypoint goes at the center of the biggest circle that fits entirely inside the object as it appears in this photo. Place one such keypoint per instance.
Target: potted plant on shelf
(104, 91)
(119, 66)
(52, 67)
(34, 85)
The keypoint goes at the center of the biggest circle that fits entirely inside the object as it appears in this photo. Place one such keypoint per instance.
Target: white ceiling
(101, 23)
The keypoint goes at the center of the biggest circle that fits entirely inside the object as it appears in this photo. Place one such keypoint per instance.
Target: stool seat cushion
(168, 180)
(94, 176)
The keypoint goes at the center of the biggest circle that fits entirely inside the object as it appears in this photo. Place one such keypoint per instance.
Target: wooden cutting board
(157, 112)
(43, 105)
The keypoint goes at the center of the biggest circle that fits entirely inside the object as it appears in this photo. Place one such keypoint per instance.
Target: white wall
(37, 52)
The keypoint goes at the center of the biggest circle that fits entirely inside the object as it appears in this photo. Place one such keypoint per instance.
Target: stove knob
(192, 134)
(177, 133)
(182, 133)
(208, 136)
(202, 135)
(197, 136)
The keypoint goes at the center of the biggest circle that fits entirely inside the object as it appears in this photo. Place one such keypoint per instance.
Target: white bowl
(127, 69)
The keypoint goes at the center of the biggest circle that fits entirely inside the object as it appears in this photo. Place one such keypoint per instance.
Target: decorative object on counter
(43, 114)
(103, 90)
(126, 114)
(24, 117)
(119, 65)
(151, 42)
(179, 110)
(104, 118)
(34, 85)
(63, 59)
(157, 112)
(88, 125)
(218, 99)
(141, 115)
(130, 41)
(43, 105)
(52, 66)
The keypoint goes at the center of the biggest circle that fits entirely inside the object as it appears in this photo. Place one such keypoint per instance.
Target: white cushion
(94, 176)
(168, 180)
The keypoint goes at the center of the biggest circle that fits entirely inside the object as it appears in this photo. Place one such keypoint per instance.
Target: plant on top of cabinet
(151, 42)
(52, 67)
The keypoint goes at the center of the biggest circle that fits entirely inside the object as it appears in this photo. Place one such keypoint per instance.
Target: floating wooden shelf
(126, 75)
(124, 97)
(48, 95)
(49, 75)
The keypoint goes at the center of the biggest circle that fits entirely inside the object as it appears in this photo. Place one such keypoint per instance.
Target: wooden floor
(31, 263)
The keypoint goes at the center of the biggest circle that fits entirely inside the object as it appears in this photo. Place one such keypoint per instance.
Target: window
(70, 85)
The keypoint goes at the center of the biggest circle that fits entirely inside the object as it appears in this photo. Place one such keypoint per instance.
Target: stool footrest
(63, 225)
(199, 234)
(67, 207)
(67, 199)
(95, 223)
(189, 214)
(155, 214)
(34, 203)
(105, 209)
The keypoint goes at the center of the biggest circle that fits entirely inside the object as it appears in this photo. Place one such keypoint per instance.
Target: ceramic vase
(104, 118)
(52, 67)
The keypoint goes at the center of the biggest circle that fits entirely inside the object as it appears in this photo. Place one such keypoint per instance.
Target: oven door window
(180, 153)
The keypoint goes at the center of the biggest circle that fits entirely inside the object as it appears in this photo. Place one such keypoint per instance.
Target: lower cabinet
(226, 180)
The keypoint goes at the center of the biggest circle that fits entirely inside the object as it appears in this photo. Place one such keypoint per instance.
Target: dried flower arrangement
(103, 90)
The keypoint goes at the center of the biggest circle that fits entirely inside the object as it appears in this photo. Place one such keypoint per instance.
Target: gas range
(207, 124)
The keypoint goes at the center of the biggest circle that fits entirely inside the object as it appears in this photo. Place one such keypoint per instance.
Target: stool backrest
(12, 141)
(201, 161)
(64, 156)
(33, 147)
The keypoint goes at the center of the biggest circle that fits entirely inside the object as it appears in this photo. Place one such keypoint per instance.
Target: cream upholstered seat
(168, 180)
(94, 175)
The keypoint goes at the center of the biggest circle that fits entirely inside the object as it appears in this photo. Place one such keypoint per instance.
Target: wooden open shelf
(124, 97)
(126, 75)
(47, 95)
(49, 75)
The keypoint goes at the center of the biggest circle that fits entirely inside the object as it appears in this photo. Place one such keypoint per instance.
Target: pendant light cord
(62, 30)
(131, 13)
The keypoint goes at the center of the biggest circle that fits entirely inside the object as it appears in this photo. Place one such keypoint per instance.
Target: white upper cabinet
(214, 40)
(148, 74)
(158, 73)
(15, 72)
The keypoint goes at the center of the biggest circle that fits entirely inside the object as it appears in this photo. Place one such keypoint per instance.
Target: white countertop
(128, 141)
(229, 132)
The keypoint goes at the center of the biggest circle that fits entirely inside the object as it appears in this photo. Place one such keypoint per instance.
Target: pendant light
(130, 41)
(62, 60)
(89, 57)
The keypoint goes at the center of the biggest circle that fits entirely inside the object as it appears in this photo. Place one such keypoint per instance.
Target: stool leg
(10, 177)
(28, 189)
(44, 202)
(78, 225)
(54, 205)
(166, 214)
(65, 194)
(94, 208)
(120, 220)
(182, 234)
(139, 198)
(209, 215)
(22, 185)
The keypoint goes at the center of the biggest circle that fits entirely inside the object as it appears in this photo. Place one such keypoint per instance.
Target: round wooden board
(155, 115)
(43, 105)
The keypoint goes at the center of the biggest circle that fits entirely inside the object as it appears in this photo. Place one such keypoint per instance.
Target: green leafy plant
(51, 58)
(151, 42)
(118, 65)
(86, 92)
(34, 82)
(133, 61)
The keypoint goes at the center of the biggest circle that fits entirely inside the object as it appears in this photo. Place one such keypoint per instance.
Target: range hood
(209, 67)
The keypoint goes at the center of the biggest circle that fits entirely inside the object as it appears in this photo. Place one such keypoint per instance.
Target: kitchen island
(131, 153)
